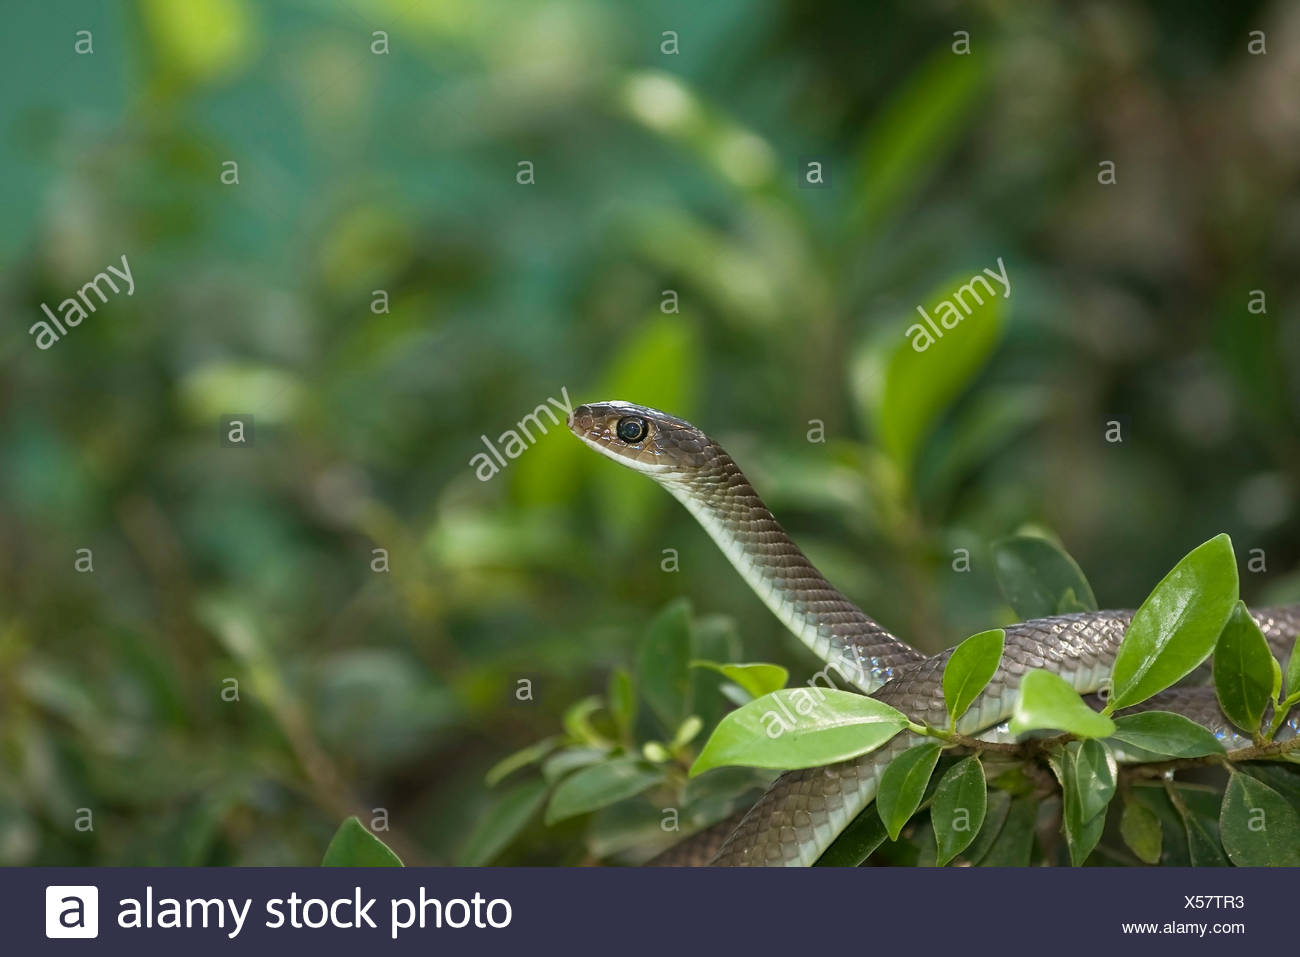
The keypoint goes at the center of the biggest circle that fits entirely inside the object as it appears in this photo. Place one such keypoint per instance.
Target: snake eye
(632, 429)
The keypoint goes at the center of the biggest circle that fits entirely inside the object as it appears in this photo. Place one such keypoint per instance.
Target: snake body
(803, 811)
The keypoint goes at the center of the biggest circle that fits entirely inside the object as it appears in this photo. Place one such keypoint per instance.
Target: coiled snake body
(803, 811)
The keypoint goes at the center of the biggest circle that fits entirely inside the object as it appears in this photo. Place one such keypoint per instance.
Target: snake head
(642, 438)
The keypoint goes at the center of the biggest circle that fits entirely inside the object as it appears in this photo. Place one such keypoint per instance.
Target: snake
(803, 811)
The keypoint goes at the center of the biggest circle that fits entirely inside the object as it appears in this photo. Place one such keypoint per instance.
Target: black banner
(642, 911)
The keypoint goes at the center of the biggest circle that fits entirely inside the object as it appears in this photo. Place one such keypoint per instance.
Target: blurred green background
(653, 170)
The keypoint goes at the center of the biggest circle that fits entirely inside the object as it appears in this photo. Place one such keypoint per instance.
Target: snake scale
(803, 811)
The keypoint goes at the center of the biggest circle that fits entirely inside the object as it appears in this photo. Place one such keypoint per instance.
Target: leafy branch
(1194, 611)
(604, 768)
(1257, 752)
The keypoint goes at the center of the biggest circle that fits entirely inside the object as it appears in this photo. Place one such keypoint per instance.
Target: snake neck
(861, 650)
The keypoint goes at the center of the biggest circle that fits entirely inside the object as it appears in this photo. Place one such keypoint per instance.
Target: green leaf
(969, 669)
(1243, 671)
(919, 386)
(756, 678)
(562, 762)
(998, 805)
(1086, 772)
(1165, 733)
(1293, 671)
(800, 728)
(914, 132)
(622, 701)
(663, 664)
(1140, 828)
(577, 721)
(1282, 778)
(354, 846)
(655, 751)
(600, 785)
(1152, 796)
(1258, 826)
(1178, 624)
(711, 797)
(714, 638)
(502, 823)
(903, 785)
(856, 842)
(1015, 781)
(627, 826)
(958, 809)
(1038, 579)
(687, 732)
(520, 759)
(1014, 845)
(1093, 778)
(1076, 837)
(1203, 848)
(1046, 700)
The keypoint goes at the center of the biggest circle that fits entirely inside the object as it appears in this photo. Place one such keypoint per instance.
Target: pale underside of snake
(803, 811)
